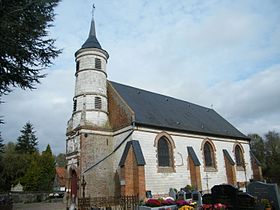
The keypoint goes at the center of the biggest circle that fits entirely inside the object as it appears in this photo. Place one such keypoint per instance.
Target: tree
(27, 142)
(30, 180)
(267, 151)
(15, 166)
(1, 145)
(41, 172)
(47, 162)
(24, 46)
(60, 160)
(258, 147)
(272, 145)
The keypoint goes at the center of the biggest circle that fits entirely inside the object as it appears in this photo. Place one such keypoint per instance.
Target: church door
(74, 184)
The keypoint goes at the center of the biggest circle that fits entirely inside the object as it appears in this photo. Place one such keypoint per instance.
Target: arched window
(208, 155)
(238, 156)
(164, 152)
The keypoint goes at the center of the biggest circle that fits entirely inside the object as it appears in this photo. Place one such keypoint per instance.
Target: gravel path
(40, 206)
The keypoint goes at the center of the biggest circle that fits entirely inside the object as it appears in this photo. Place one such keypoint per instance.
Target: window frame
(240, 165)
(171, 146)
(213, 166)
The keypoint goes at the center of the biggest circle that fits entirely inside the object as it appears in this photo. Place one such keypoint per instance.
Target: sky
(222, 54)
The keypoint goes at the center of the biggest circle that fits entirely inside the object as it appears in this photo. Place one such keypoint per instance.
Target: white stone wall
(117, 140)
(159, 183)
(90, 83)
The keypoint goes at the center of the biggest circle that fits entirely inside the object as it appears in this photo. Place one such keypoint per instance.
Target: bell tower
(84, 145)
(90, 99)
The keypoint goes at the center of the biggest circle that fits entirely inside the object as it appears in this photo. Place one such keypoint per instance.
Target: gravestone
(207, 198)
(262, 190)
(182, 195)
(245, 201)
(149, 194)
(172, 193)
(225, 194)
(196, 197)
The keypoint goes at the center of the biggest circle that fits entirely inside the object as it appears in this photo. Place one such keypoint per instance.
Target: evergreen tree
(24, 46)
(27, 142)
(47, 161)
(31, 178)
(41, 172)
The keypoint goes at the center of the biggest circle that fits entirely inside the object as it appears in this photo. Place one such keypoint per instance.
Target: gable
(137, 152)
(155, 110)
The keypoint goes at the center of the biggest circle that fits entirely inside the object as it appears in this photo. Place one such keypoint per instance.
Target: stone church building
(125, 141)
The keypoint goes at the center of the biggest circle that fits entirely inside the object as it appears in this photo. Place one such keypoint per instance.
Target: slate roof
(137, 151)
(193, 156)
(92, 41)
(231, 161)
(156, 110)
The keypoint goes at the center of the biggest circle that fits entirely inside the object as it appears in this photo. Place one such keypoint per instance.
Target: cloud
(224, 53)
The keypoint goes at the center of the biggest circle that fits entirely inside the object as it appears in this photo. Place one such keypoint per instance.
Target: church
(122, 140)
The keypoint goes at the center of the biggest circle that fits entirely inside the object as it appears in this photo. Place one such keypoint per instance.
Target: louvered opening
(97, 103)
(77, 66)
(97, 63)
(74, 105)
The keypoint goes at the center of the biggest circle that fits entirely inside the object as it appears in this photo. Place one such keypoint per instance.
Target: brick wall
(99, 179)
(120, 114)
(133, 177)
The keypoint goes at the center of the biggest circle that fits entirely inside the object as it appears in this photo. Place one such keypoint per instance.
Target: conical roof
(92, 41)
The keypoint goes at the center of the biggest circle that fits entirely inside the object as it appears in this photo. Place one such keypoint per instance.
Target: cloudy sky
(217, 53)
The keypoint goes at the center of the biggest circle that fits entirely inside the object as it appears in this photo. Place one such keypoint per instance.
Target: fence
(109, 203)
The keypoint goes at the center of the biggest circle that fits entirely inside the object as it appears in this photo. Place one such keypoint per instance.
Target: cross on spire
(93, 8)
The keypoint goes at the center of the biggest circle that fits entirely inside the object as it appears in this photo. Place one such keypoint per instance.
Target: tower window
(77, 66)
(97, 103)
(74, 105)
(97, 63)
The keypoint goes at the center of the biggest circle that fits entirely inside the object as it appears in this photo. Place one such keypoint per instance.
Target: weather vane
(93, 8)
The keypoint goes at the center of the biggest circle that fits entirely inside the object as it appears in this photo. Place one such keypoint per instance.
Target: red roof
(60, 173)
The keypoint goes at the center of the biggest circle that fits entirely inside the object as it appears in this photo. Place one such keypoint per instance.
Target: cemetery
(259, 196)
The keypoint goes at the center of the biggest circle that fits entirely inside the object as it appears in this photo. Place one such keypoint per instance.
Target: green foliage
(47, 162)
(27, 142)
(60, 160)
(30, 180)
(24, 44)
(267, 151)
(40, 175)
(272, 146)
(258, 147)
(14, 166)
(1, 145)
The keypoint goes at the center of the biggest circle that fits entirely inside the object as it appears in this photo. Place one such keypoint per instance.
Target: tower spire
(92, 41)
